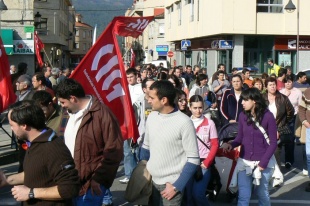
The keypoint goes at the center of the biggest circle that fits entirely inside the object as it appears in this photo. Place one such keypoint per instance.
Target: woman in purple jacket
(255, 152)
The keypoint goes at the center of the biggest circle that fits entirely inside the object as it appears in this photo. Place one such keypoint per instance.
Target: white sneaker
(124, 181)
(305, 172)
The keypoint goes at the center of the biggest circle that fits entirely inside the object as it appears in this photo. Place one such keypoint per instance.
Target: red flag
(102, 72)
(39, 46)
(133, 58)
(7, 95)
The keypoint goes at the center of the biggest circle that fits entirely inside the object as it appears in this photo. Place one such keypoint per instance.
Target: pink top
(205, 130)
(294, 95)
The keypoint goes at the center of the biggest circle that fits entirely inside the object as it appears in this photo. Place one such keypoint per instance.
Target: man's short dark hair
(234, 69)
(28, 113)
(131, 71)
(143, 83)
(245, 70)
(40, 77)
(166, 89)
(301, 74)
(69, 87)
(282, 72)
(42, 98)
(219, 66)
(220, 72)
(270, 60)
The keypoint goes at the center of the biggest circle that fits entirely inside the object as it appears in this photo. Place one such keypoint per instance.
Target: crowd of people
(179, 112)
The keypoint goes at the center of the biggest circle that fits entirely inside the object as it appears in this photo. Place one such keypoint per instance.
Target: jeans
(196, 191)
(158, 200)
(94, 200)
(245, 188)
(129, 159)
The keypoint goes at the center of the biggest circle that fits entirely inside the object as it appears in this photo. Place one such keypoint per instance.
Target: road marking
(304, 202)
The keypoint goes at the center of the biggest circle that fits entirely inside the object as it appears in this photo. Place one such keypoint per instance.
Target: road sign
(185, 44)
(170, 54)
(226, 44)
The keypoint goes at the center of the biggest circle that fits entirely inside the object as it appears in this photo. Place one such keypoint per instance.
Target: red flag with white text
(102, 72)
(133, 58)
(38, 46)
(7, 95)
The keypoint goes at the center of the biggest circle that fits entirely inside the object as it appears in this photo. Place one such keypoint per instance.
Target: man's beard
(23, 137)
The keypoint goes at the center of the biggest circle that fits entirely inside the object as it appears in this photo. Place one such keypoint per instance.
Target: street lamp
(37, 19)
(290, 7)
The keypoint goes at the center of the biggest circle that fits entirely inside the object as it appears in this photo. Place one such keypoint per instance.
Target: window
(84, 34)
(161, 29)
(77, 32)
(179, 7)
(188, 1)
(192, 10)
(169, 16)
(43, 0)
(270, 6)
(43, 24)
(84, 47)
(77, 45)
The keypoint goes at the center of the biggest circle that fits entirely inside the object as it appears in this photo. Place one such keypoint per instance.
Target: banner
(7, 95)
(102, 72)
(39, 46)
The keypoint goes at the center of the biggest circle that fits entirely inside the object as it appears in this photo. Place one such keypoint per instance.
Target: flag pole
(49, 61)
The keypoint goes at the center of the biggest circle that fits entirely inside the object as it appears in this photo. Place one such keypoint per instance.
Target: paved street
(291, 193)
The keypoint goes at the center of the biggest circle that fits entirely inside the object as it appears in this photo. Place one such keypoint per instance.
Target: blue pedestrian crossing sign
(185, 44)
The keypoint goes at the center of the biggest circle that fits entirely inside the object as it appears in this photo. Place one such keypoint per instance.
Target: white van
(166, 64)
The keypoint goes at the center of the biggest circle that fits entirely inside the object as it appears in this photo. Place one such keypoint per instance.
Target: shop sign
(304, 44)
(23, 46)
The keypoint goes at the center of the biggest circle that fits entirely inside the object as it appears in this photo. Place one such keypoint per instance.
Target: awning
(7, 39)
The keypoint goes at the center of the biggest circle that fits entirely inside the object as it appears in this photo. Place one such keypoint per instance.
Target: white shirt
(135, 92)
(73, 125)
(273, 109)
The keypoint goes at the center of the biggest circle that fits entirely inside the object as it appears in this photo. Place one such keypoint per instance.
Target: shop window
(270, 6)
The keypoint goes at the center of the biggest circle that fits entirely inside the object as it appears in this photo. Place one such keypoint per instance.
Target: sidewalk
(8, 152)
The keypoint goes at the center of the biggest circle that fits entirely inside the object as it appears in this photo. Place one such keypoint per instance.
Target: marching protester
(181, 102)
(95, 141)
(256, 155)
(207, 145)
(283, 111)
(49, 176)
(170, 146)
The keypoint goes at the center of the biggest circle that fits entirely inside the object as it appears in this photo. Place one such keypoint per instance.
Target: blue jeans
(129, 159)
(94, 200)
(245, 188)
(196, 190)
(308, 149)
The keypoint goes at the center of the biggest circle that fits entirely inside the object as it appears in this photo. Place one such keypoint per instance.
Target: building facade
(237, 33)
(152, 45)
(83, 40)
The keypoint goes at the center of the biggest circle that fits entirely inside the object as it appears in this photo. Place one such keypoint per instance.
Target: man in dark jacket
(49, 176)
(94, 139)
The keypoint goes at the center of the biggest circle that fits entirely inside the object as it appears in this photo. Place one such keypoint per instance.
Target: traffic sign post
(170, 55)
(185, 44)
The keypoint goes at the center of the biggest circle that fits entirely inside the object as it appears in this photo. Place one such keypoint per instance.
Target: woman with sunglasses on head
(256, 149)
(207, 145)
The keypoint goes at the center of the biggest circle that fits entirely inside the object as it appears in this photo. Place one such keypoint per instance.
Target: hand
(21, 193)
(260, 168)
(226, 147)
(203, 166)
(3, 180)
(168, 193)
(307, 125)
(95, 188)
(213, 106)
(232, 121)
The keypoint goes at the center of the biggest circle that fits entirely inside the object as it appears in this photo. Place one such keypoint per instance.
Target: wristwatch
(31, 194)
(175, 189)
